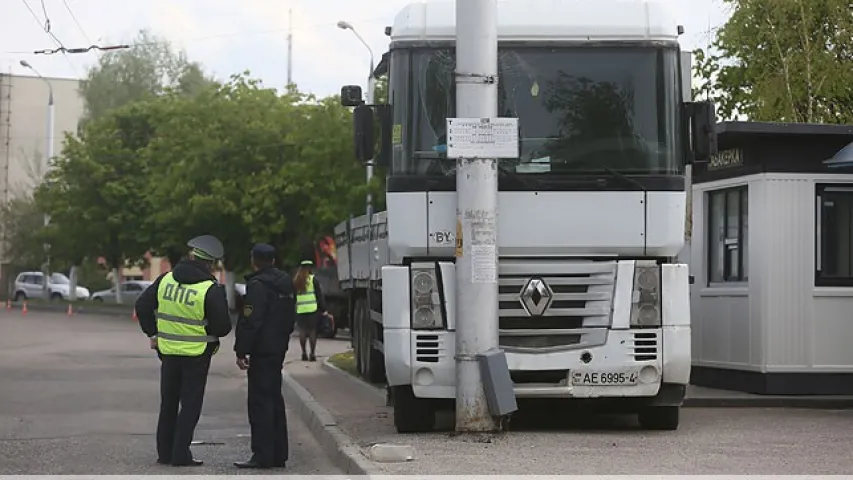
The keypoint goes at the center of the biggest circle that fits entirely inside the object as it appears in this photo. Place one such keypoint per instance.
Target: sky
(231, 36)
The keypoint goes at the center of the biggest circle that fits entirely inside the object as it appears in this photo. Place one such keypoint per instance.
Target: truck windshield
(580, 109)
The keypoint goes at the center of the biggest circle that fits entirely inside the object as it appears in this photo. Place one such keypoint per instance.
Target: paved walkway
(710, 441)
(80, 396)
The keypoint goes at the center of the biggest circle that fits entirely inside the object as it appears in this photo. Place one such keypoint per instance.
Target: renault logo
(536, 296)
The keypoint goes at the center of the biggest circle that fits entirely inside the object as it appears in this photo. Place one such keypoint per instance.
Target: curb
(335, 442)
(82, 309)
(769, 401)
(805, 402)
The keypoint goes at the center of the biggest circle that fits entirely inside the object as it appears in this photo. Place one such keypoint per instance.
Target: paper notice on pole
(482, 138)
(484, 264)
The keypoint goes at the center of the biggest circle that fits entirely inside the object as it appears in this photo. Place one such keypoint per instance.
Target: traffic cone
(135, 318)
(24, 309)
(70, 311)
(8, 305)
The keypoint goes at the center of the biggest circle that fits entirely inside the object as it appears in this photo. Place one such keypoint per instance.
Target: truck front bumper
(425, 360)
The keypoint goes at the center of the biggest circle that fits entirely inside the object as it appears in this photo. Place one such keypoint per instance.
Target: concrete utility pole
(290, 47)
(49, 151)
(371, 89)
(476, 213)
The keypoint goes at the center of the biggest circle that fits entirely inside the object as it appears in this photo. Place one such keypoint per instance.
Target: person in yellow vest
(184, 313)
(310, 304)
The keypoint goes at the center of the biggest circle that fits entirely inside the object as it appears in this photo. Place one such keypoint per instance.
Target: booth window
(834, 236)
(728, 253)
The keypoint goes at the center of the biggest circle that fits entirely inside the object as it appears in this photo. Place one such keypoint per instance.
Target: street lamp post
(50, 152)
(371, 88)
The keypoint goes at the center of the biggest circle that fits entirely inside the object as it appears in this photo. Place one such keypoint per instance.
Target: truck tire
(332, 333)
(660, 418)
(357, 334)
(374, 368)
(411, 414)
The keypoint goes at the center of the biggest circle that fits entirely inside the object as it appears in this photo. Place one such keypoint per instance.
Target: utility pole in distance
(476, 140)
(289, 47)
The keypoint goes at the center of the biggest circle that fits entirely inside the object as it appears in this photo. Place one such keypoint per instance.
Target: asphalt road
(80, 396)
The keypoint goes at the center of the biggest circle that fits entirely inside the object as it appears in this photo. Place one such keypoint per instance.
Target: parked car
(29, 285)
(130, 291)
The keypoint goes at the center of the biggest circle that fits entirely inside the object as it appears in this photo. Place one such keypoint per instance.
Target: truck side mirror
(351, 96)
(385, 115)
(364, 137)
(703, 133)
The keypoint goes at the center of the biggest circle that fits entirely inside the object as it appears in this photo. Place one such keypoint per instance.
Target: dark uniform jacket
(266, 321)
(215, 303)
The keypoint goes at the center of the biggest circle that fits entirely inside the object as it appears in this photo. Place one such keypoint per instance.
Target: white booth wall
(777, 320)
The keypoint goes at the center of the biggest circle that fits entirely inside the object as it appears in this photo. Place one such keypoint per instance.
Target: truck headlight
(426, 300)
(646, 301)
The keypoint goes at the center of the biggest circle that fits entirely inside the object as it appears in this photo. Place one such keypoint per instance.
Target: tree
(150, 68)
(247, 165)
(783, 60)
(23, 224)
(93, 189)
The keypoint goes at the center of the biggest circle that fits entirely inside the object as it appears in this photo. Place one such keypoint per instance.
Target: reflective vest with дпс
(307, 302)
(180, 317)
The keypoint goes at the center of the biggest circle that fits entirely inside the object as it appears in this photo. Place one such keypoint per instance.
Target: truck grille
(645, 346)
(554, 304)
(427, 348)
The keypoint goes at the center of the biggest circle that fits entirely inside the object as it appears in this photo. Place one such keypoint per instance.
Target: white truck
(593, 304)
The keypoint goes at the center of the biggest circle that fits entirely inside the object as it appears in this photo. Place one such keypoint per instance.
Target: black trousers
(266, 410)
(182, 384)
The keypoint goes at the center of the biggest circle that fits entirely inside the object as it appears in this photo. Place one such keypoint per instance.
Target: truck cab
(593, 305)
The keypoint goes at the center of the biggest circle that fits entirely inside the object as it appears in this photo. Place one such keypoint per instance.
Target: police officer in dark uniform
(262, 337)
(184, 313)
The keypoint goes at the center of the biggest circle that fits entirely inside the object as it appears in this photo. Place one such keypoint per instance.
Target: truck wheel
(374, 367)
(660, 418)
(411, 414)
(357, 336)
(331, 333)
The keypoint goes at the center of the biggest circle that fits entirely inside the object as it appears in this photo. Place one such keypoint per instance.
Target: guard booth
(772, 260)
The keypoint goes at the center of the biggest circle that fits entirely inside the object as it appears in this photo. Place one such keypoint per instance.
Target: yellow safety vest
(180, 317)
(307, 302)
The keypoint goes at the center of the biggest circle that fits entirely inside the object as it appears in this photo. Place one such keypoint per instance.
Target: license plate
(603, 379)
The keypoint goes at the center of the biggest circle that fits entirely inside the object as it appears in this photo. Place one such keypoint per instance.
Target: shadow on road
(555, 416)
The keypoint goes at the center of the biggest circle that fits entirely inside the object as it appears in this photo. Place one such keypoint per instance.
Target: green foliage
(93, 276)
(23, 230)
(166, 153)
(150, 68)
(782, 60)
(235, 160)
(93, 190)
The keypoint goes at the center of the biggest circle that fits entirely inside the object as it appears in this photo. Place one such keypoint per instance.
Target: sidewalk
(753, 441)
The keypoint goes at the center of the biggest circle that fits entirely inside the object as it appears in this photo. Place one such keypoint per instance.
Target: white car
(29, 285)
(130, 291)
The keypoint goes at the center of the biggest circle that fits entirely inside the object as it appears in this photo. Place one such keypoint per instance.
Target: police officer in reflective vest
(184, 313)
(310, 304)
(262, 337)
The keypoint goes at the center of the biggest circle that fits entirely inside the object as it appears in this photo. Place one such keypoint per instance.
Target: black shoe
(164, 462)
(190, 463)
(252, 463)
(312, 358)
(304, 357)
(280, 464)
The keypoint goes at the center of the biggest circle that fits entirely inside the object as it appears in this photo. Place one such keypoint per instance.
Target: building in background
(24, 136)
(23, 127)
